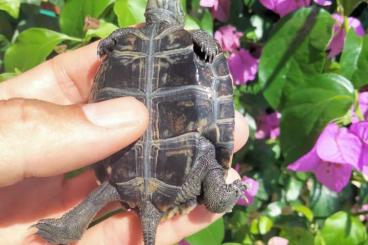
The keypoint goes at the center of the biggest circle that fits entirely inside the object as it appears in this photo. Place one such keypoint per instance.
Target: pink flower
(363, 108)
(337, 42)
(220, 8)
(323, 2)
(284, 7)
(332, 158)
(250, 192)
(276, 240)
(228, 38)
(243, 67)
(269, 126)
(360, 129)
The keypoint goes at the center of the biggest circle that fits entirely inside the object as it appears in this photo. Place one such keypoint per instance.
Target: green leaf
(75, 11)
(313, 102)
(31, 48)
(264, 225)
(298, 236)
(190, 23)
(213, 234)
(11, 7)
(300, 208)
(296, 49)
(354, 59)
(207, 22)
(325, 202)
(104, 30)
(342, 228)
(293, 189)
(6, 76)
(350, 5)
(130, 12)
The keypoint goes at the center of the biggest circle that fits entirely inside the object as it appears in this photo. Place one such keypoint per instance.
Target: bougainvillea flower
(363, 104)
(337, 42)
(332, 158)
(276, 240)
(323, 2)
(228, 38)
(284, 7)
(220, 8)
(243, 67)
(268, 126)
(250, 192)
(360, 129)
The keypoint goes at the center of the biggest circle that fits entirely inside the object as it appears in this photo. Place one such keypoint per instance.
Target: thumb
(42, 139)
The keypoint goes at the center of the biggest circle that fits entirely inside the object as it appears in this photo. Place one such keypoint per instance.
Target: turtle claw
(206, 44)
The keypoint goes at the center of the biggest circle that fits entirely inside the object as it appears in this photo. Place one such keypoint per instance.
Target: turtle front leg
(107, 45)
(71, 225)
(205, 44)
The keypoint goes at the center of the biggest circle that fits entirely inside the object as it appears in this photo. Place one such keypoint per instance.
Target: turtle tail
(150, 218)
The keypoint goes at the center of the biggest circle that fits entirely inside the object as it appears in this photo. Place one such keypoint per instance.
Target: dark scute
(175, 70)
(175, 40)
(205, 75)
(128, 75)
(131, 42)
(182, 113)
(224, 87)
(125, 164)
(173, 164)
(226, 132)
(220, 65)
(225, 109)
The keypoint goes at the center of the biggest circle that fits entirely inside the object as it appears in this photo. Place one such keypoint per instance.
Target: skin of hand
(48, 129)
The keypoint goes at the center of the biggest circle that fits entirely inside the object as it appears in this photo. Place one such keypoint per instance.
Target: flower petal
(338, 145)
(251, 192)
(334, 176)
(306, 163)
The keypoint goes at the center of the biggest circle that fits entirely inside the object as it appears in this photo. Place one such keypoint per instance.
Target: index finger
(65, 79)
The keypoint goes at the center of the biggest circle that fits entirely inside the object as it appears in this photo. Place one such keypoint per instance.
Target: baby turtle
(181, 160)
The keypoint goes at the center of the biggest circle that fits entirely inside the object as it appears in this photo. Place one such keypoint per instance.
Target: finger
(125, 228)
(65, 79)
(241, 131)
(51, 139)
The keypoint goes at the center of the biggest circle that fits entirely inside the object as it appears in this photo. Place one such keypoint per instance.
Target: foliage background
(295, 78)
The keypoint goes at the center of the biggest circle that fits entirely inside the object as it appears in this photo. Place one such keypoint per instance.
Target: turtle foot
(57, 231)
(206, 44)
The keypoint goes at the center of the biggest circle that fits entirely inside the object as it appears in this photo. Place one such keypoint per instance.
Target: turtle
(182, 159)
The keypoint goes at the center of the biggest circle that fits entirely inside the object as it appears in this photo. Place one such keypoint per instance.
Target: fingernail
(114, 113)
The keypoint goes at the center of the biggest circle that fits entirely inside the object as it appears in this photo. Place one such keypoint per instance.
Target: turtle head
(165, 10)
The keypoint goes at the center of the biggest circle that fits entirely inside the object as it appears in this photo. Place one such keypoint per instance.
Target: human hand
(46, 130)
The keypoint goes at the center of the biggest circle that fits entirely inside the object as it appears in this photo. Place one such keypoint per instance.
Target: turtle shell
(187, 99)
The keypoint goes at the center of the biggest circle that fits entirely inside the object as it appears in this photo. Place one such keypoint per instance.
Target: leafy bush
(301, 72)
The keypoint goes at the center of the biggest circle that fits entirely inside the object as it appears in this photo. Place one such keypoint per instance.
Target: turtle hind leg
(218, 196)
(108, 44)
(71, 225)
(150, 218)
